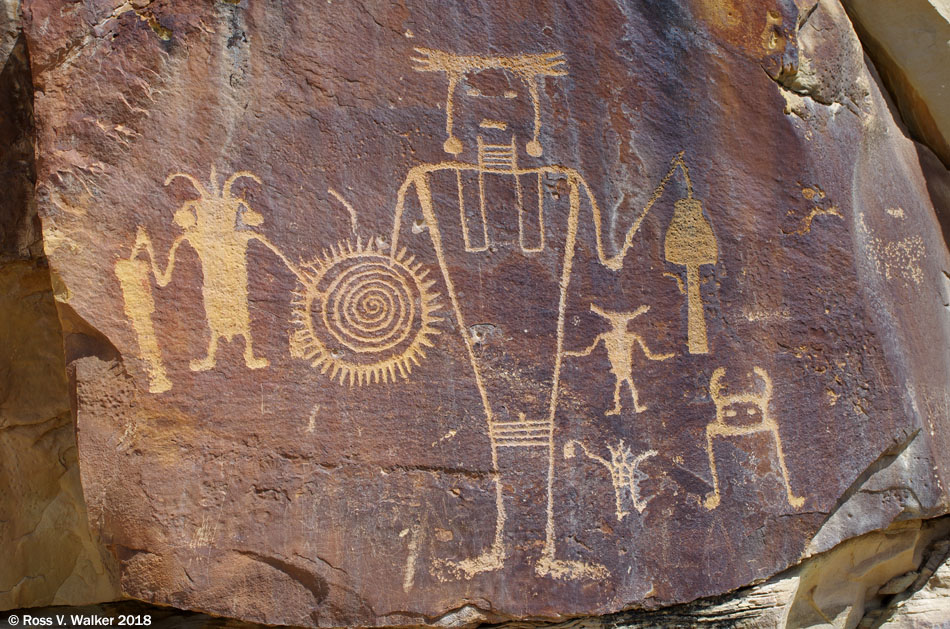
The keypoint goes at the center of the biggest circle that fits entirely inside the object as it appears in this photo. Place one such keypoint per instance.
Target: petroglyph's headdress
(528, 67)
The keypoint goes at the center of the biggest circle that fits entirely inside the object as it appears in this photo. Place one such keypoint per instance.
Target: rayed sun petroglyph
(364, 316)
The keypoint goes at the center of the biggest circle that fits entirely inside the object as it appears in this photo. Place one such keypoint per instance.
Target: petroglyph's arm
(418, 177)
(415, 176)
(569, 453)
(250, 217)
(615, 262)
(648, 353)
(252, 235)
(143, 242)
(587, 352)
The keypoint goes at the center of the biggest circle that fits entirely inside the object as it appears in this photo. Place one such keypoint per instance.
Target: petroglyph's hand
(651, 355)
(249, 216)
(588, 351)
(141, 241)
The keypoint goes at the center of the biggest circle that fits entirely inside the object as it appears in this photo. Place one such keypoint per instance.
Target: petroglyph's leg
(208, 361)
(250, 360)
(633, 393)
(795, 501)
(548, 566)
(712, 499)
(490, 560)
(565, 569)
(617, 406)
(493, 558)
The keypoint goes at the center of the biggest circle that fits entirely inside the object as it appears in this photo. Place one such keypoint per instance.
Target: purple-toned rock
(437, 314)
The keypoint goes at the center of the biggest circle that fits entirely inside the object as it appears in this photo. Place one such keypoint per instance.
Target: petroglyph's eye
(473, 91)
(750, 411)
(731, 412)
(509, 94)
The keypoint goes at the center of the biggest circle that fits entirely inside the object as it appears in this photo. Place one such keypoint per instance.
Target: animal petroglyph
(362, 315)
(620, 343)
(624, 471)
(730, 423)
(815, 194)
(217, 225)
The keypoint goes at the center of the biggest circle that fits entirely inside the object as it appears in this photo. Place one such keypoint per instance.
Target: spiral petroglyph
(362, 315)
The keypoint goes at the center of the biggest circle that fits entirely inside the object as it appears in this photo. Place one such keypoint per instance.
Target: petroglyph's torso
(508, 283)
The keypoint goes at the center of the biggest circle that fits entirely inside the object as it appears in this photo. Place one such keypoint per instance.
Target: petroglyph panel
(378, 308)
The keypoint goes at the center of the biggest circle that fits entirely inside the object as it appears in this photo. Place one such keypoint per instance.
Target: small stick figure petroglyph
(619, 341)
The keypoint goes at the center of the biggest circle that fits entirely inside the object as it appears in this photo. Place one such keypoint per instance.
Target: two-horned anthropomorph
(507, 247)
(620, 343)
(218, 227)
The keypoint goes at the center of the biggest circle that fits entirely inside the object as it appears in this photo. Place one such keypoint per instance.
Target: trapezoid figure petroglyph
(362, 315)
(494, 153)
(728, 424)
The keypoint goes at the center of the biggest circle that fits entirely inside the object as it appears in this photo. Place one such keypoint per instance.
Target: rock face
(431, 313)
(49, 555)
(907, 42)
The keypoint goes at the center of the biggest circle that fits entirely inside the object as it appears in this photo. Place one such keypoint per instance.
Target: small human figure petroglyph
(619, 341)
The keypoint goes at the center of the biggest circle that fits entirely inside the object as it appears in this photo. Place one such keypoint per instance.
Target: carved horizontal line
(532, 443)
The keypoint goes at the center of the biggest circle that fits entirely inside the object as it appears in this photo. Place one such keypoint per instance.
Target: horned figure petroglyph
(620, 342)
(729, 423)
(217, 225)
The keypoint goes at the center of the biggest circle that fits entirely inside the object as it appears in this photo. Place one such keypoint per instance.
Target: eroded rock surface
(432, 314)
(908, 42)
(48, 554)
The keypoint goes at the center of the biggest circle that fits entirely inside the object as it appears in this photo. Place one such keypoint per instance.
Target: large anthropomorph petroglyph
(486, 206)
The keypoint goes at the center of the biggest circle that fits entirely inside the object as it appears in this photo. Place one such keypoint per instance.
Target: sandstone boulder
(435, 313)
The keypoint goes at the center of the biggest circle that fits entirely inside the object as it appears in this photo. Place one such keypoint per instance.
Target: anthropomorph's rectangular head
(530, 68)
